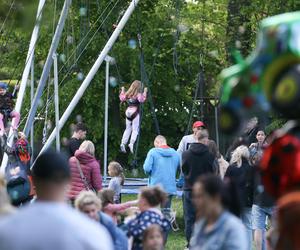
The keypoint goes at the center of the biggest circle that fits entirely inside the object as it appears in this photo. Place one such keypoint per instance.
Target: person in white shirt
(189, 139)
(49, 223)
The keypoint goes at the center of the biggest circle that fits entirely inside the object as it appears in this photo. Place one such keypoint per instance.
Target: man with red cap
(188, 139)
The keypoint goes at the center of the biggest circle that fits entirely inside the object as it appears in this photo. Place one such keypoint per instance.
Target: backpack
(22, 150)
(18, 184)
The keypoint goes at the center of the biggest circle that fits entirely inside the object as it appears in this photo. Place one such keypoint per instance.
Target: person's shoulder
(188, 137)
(73, 139)
(233, 223)
(73, 161)
(106, 220)
(235, 231)
(253, 145)
(232, 167)
(153, 151)
(186, 153)
(114, 180)
(231, 170)
(84, 224)
(185, 138)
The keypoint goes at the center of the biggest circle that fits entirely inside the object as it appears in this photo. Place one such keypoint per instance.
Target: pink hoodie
(91, 170)
(141, 97)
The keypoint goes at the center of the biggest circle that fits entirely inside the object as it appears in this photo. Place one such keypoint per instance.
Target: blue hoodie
(161, 165)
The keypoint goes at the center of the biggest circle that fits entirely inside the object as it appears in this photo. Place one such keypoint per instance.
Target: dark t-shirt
(243, 177)
(74, 144)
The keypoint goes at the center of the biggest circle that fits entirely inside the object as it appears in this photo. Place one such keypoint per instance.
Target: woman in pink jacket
(85, 159)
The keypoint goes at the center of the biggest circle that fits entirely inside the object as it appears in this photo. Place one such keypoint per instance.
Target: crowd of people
(224, 203)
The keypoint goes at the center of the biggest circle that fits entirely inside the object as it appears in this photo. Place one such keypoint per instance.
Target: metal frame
(91, 73)
(28, 65)
(47, 66)
(108, 61)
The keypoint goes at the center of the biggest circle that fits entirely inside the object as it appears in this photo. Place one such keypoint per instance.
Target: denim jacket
(228, 233)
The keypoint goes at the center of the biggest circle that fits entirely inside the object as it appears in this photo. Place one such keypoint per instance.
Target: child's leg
(135, 129)
(127, 132)
(1, 124)
(16, 115)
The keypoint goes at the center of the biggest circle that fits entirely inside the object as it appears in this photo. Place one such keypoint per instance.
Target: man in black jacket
(78, 136)
(196, 161)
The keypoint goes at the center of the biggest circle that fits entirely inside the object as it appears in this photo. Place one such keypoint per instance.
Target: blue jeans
(189, 214)
(259, 217)
(246, 217)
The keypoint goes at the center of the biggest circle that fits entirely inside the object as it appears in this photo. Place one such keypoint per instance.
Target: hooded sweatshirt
(91, 170)
(196, 161)
(161, 165)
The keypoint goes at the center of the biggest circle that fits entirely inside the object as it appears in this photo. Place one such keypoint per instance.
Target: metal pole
(217, 122)
(28, 63)
(92, 73)
(107, 59)
(56, 101)
(31, 98)
(48, 65)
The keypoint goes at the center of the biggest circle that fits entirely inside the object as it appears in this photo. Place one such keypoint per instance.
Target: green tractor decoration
(270, 76)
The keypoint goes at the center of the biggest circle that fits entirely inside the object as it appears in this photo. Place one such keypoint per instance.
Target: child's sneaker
(123, 148)
(130, 148)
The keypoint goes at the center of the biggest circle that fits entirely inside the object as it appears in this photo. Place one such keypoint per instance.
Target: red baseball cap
(198, 124)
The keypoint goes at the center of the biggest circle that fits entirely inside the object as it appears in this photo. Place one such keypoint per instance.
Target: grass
(176, 240)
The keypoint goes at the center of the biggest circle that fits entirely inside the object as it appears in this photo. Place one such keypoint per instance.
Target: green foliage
(177, 37)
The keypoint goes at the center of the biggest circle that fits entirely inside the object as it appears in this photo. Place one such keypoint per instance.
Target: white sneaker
(131, 147)
(123, 148)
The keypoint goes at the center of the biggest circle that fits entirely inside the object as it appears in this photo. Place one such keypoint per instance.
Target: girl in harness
(133, 97)
(6, 107)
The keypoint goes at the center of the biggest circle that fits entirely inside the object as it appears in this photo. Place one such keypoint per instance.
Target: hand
(17, 86)
(123, 89)
(145, 90)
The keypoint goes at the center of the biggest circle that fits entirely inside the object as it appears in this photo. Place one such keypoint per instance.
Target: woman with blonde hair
(134, 98)
(242, 174)
(88, 203)
(85, 170)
